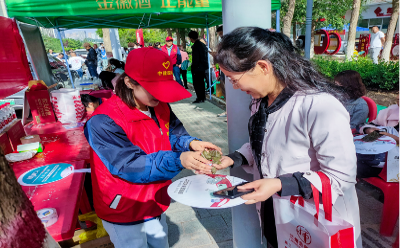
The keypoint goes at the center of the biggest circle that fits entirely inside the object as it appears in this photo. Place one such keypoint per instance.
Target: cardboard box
(5, 144)
(15, 133)
(103, 242)
(41, 108)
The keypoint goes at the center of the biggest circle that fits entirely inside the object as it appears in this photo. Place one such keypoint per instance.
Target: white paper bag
(393, 165)
(67, 105)
(298, 225)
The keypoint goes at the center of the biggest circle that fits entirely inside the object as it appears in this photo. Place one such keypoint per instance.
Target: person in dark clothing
(91, 60)
(199, 66)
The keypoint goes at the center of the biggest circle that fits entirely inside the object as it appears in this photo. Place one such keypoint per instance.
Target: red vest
(174, 53)
(138, 201)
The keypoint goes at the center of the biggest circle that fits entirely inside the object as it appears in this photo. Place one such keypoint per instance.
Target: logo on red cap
(166, 64)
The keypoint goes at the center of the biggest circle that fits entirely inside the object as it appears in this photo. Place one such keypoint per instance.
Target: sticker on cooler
(46, 174)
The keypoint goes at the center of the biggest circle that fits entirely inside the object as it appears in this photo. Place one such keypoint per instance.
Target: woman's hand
(263, 189)
(391, 136)
(200, 146)
(194, 161)
(225, 162)
(370, 130)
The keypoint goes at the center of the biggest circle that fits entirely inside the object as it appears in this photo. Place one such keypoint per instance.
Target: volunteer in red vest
(138, 146)
(175, 56)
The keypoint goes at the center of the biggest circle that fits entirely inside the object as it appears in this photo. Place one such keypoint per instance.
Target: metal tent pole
(65, 56)
(278, 20)
(308, 29)
(208, 57)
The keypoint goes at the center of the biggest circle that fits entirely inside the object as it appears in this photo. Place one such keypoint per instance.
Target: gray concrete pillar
(115, 44)
(238, 13)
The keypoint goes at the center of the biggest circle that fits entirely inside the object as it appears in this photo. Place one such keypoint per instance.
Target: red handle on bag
(293, 200)
(326, 196)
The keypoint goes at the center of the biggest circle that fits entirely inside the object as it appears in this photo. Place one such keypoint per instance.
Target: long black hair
(117, 63)
(240, 50)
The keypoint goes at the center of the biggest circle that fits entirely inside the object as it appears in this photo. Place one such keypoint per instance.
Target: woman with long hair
(356, 106)
(298, 125)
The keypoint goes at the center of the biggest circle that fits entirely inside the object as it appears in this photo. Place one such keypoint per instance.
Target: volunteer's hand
(225, 162)
(263, 189)
(194, 161)
(200, 146)
(370, 130)
(391, 136)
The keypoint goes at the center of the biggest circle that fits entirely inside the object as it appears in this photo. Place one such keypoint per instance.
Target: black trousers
(199, 85)
(184, 76)
(268, 219)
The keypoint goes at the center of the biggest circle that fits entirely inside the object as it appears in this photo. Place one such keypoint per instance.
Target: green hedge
(384, 75)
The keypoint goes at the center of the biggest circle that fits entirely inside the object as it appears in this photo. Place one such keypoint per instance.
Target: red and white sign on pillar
(363, 45)
(139, 37)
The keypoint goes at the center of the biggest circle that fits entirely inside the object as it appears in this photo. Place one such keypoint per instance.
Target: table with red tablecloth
(67, 195)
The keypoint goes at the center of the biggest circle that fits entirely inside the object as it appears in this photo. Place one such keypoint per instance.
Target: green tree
(52, 43)
(390, 32)
(325, 13)
(129, 35)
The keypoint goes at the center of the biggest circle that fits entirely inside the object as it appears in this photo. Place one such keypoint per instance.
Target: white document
(196, 191)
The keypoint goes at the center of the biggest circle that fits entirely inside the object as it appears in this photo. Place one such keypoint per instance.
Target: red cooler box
(5, 144)
(15, 133)
(42, 110)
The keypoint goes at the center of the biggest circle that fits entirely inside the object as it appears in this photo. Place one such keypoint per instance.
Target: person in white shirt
(76, 63)
(377, 40)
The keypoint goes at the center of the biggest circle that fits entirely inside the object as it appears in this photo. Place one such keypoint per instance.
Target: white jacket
(312, 133)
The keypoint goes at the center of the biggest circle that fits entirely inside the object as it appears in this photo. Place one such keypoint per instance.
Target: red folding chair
(390, 212)
(373, 109)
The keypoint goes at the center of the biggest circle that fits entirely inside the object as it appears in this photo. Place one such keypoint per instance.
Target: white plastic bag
(298, 225)
(393, 165)
(67, 105)
(16, 157)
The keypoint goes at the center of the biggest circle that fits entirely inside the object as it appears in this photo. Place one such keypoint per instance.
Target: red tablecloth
(48, 128)
(68, 147)
(63, 195)
(59, 147)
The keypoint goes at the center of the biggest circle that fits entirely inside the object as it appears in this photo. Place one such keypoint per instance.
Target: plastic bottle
(3, 118)
(2, 124)
(14, 115)
(8, 114)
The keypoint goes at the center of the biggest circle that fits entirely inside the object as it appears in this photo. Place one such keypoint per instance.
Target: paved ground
(190, 227)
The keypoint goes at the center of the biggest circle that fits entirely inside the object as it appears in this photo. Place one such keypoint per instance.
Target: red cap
(169, 38)
(152, 69)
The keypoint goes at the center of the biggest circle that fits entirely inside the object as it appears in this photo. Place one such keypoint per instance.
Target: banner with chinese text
(119, 13)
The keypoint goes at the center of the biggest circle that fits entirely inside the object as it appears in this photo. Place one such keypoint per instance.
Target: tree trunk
(178, 37)
(107, 42)
(294, 32)
(201, 33)
(183, 37)
(20, 226)
(287, 20)
(389, 34)
(213, 39)
(169, 31)
(312, 40)
(351, 41)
